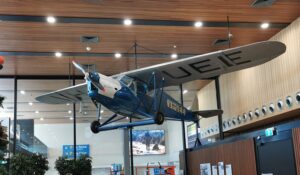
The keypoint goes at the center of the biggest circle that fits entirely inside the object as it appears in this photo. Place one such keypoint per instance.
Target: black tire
(159, 118)
(94, 126)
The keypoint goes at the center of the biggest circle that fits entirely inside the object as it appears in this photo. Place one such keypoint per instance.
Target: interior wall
(248, 89)
(296, 141)
(240, 154)
(106, 148)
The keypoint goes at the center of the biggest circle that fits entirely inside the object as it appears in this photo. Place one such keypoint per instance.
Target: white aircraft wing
(209, 65)
(71, 94)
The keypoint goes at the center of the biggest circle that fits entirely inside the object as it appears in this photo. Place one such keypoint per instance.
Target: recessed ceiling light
(174, 46)
(127, 22)
(69, 111)
(198, 24)
(68, 104)
(174, 56)
(37, 112)
(88, 48)
(22, 92)
(58, 54)
(185, 91)
(101, 111)
(265, 25)
(118, 55)
(30, 103)
(127, 118)
(71, 118)
(51, 19)
(42, 119)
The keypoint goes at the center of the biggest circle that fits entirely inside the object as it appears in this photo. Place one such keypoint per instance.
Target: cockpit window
(136, 86)
(126, 80)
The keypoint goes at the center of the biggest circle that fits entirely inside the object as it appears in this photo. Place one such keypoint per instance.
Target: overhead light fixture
(127, 118)
(198, 24)
(280, 104)
(37, 112)
(58, 54)
(71, 118)
(174, 46)
(30, 103)
(265, 25)
(127, 22)
(41, 118)
(298, 97)
(118, 55)
(51, 19)
(289, 101)
(22, 92)
(174, 56)
(88, 48)
(185, 91)
(101, 111)
(69, 111)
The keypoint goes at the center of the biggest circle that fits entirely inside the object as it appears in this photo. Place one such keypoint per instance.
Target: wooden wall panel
(251, 88)
(207, 100)
(240, 154)
(296, 140)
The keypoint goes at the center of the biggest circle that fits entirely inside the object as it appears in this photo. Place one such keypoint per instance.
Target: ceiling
(160, 28)
(29, 42)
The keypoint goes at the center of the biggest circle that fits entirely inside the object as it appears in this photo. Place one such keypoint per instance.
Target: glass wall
(6, 118)
(47, 129)
(42, 128)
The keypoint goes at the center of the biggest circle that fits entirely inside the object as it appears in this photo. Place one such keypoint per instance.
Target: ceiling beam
(119, 21)
(90, 54)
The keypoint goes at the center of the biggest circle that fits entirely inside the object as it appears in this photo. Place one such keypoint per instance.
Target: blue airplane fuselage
(140, 105)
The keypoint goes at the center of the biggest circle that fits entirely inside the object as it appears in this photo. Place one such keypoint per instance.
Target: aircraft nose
(95, 78)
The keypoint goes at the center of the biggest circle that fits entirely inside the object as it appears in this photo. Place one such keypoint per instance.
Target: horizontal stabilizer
(208, 113)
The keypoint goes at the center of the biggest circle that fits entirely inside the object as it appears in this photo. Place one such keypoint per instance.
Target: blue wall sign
(68, 150)
(270, 132)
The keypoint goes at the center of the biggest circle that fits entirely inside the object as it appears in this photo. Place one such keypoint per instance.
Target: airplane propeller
(90, 76)
(79, 67)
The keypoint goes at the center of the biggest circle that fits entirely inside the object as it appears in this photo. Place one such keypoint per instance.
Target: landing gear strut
(95, 124)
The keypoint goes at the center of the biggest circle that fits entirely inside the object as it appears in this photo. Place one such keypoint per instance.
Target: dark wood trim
(119, 21)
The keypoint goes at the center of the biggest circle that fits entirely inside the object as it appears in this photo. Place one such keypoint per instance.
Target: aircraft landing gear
(159, 118)
(94, 126)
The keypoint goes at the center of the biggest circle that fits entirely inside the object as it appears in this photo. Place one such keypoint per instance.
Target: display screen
(148, 142)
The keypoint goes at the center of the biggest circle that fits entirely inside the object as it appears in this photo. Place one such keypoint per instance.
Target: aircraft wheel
(94, 126)
(159, 118)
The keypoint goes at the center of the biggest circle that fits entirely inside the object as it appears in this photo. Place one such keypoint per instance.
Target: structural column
(15, 114)
(126, 152)
(183, 136)
(219, 106)
(74, 126)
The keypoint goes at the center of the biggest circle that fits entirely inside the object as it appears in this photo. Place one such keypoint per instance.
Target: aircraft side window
(132, 86)
(141, 88)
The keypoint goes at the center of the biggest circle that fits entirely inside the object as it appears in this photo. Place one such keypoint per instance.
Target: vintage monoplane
(139, 93)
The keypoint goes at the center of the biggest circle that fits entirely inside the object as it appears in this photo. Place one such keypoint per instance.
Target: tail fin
(208, 113)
